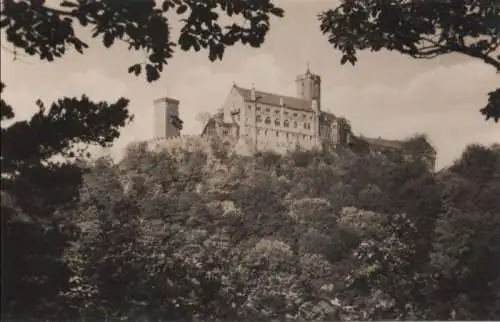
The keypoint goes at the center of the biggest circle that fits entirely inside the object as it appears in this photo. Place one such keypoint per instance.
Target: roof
(167, 99)
(217, 119)
(275, 99)
(392, 144)
(328, 117)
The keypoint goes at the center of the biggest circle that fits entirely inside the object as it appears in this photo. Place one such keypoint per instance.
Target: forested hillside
(309, 235)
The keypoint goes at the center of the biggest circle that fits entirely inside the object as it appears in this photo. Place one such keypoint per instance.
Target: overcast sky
(385, 95)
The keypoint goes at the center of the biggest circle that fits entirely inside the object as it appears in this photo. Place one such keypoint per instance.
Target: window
(258, 108)
(250, 107)
(303, 116)
(294, 124)
(295, 114)
(277, 133)
(277, 111)
(268, 120)
(259, 118)
(277, 122)
(286, 112)
(225, 131)
(286, 123)
(268, 109)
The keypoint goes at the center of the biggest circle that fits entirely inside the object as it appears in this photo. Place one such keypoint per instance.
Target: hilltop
(305, 235)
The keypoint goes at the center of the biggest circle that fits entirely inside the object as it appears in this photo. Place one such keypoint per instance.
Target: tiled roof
(275, 99)
(379, 142)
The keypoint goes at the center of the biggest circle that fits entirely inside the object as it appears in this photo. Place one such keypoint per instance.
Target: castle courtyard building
(263, 121)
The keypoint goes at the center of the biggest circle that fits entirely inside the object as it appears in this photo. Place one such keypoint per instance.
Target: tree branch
(476, 54)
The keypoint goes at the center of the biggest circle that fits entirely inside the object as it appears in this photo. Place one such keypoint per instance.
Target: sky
(386, 94)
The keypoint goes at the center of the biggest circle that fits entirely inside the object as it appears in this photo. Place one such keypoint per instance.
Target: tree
(33, 175)
(39, 184)
(419, 29)
(49, 32)
(463, 265)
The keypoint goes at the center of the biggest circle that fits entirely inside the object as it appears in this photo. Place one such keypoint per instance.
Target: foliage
(42, 156)
(142, 25)
(38, 184)
(270, 237)
(419, 29)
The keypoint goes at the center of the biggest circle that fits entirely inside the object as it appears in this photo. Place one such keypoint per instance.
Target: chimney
(282, 103)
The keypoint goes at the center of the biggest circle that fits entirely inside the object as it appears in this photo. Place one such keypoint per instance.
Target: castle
(251, 120)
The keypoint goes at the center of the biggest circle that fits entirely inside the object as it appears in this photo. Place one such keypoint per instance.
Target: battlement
(167, 100)
(190, 143)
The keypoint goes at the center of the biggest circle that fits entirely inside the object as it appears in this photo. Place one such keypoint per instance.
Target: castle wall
(189, 143)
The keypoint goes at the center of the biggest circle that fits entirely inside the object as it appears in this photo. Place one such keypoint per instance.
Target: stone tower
(309, 87)
(166, 118)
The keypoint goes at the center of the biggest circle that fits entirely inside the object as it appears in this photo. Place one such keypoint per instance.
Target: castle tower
(166, 118)
(309, 87)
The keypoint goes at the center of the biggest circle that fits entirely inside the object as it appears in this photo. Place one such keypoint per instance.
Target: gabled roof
(217, 120)
(275, 99)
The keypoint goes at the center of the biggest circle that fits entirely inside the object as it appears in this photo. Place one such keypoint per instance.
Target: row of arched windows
(286, 123)
(288, 135)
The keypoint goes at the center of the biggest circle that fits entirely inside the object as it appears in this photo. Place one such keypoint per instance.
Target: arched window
(267, 120)
(286, 123)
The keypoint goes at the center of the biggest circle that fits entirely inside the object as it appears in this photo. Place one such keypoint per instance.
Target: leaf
(152, 73)
(277, 12)
(68, 4)
(186, 41)
(492, 109)
(108, 39)
(136, 69)
(181, 9)
(167, 4)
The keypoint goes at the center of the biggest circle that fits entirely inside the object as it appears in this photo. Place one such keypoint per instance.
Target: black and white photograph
(260, 160)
